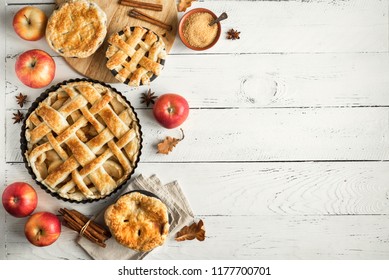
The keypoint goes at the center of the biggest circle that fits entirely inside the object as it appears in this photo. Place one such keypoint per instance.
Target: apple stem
(28, 20)
(183, 135)
(38, 235)
(33, 63)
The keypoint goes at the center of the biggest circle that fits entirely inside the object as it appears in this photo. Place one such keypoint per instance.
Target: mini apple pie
(82, 141)
(138, 221)
(76, 29)
(136, 55)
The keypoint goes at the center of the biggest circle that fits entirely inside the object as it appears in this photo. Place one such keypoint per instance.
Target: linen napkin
(179, 210)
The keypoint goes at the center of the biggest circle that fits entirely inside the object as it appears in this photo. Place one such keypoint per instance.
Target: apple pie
(76, 29)
(82, 141)
(138, 221)
(136, 55)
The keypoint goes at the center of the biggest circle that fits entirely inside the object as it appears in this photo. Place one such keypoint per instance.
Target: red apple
(30, 23)
(19, 199)
(42, 229)
(35, 68)
(171, 110)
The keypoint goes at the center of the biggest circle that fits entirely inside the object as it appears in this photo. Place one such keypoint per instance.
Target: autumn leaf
(168, 144)
(183, 5)
(195, 230)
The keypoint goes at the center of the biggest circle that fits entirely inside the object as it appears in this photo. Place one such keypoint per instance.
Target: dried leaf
(183, 5)
(168, 144)
(195, 230)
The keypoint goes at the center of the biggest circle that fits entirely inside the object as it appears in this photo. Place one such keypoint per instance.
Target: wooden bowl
(181, 29)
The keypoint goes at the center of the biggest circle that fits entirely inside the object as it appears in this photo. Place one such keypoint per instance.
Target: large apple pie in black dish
(81, 140)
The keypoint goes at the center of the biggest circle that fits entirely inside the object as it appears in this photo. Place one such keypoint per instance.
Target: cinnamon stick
(88, 230)
(134, 13)
(92, 231)
(142, 5)
(87, 234)
(93, 225)
(74, 226)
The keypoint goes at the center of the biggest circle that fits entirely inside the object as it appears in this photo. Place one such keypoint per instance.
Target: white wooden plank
(259, 135)
(2, 130)
(286, 237)
(302, 188)
(245, 237)
(301, 26)
(18, 247)
(252, 81)
(285, 26)
(296, 134)
(278, 80)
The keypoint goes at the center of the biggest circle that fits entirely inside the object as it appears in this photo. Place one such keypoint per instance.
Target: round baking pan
(23, 141)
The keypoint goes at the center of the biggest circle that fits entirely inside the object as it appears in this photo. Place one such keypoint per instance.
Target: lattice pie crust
(135, 55)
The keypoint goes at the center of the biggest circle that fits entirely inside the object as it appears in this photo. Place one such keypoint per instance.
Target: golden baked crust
(135, 55)
(83, 141)
(76, 29)
(138, 221)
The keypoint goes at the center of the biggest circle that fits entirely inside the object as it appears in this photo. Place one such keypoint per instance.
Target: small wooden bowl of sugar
(195, 32)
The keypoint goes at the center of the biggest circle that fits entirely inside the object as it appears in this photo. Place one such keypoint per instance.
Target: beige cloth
(179, 211)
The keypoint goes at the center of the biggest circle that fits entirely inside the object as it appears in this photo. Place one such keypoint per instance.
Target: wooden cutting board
(93, 67)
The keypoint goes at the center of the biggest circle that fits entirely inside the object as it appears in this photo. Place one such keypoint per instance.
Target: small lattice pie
(76, 29)
(138, 221)
(135, 55)
(83, 141)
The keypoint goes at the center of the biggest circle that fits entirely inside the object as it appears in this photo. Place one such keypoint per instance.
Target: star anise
(148, 98)
(233, 34)
(21, 99)
(18, 117)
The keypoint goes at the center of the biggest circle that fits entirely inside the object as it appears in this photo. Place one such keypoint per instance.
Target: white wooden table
(286, 150)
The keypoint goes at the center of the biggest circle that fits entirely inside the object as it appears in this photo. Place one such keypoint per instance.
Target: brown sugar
(197, 31)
